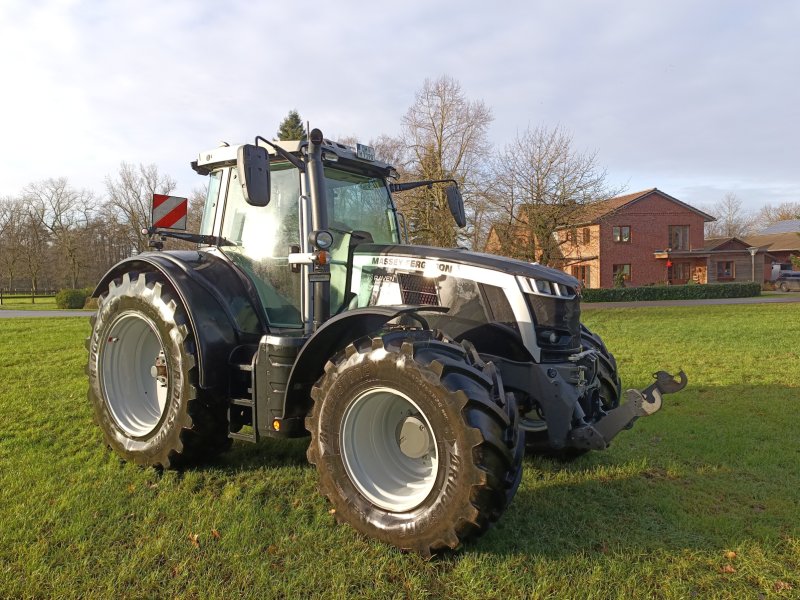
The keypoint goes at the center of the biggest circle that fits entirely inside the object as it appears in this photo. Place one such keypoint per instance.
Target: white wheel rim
(134, 395)
(372, 454)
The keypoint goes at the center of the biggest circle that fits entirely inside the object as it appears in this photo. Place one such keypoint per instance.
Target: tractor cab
(276, 244)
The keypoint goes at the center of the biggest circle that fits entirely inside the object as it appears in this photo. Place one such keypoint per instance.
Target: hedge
(673, 292)
(72, 298)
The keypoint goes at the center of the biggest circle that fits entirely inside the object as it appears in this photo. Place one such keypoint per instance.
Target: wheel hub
(159, 369)
(413, 437)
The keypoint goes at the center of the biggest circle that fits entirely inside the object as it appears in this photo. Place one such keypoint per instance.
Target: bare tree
(769, 214)
(732, 218)
(64, 213)
(445, 137)
(130, 196)
(12, 215)
(34, 243)
(543, 185)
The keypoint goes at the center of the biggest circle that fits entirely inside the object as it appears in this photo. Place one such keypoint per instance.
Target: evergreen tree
(291, 128)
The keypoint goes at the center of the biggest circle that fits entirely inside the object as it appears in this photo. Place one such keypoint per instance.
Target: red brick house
(649, 236)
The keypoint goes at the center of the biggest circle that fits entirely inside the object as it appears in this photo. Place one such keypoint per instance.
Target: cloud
(667, 93)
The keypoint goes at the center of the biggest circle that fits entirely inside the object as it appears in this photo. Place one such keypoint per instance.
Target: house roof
(785, 226)
(776, 242)
(711, 244)
(596, 211)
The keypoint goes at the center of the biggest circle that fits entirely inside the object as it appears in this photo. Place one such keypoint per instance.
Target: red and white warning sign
(169, 211)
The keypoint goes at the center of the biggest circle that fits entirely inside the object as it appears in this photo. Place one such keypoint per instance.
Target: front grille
(416, 289)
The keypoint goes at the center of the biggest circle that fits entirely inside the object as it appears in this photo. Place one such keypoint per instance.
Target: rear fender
(216, 303)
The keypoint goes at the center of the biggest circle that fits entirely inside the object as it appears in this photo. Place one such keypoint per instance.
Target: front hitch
(638, 404)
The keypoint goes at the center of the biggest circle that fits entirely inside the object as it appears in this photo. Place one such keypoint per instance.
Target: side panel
(220, 308)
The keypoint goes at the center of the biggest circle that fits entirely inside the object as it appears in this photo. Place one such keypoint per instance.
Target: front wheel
(415, 442)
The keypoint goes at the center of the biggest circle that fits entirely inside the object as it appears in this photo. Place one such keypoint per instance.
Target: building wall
(649, 219)
(743, 267)
(577, 253)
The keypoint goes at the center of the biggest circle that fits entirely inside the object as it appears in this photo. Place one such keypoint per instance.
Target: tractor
(421, 374)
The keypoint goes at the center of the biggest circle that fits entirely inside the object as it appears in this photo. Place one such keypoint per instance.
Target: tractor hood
(413, 257)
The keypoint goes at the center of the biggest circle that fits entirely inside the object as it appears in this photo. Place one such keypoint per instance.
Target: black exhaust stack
(320, 276)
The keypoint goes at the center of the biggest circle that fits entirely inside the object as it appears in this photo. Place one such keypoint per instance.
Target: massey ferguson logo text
(411, 263)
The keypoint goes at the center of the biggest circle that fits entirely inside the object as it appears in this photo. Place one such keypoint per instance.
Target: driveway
(12, 314)
(777, 299)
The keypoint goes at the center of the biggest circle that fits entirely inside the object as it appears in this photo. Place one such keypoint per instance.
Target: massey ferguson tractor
(421, 374)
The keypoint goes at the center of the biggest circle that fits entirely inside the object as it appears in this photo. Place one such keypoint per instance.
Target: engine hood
(509, 266)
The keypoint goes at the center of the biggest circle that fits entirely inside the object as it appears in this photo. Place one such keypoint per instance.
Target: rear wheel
(414, 440)
(143, 377)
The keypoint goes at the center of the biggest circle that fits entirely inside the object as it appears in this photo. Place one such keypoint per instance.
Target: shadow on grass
(716, 469)
(711, 471)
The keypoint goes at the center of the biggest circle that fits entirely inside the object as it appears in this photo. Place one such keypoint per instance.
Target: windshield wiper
(211, 240)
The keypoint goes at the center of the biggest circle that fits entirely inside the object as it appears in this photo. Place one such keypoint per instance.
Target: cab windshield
(360, 203)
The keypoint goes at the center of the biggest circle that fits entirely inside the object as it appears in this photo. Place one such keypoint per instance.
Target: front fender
(334, 335)
(217, 304)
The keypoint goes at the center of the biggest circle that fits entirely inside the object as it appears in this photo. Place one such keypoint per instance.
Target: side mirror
(456, 205)
(252, 163)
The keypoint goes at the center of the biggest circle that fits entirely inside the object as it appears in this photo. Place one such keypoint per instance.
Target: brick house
(648, 236)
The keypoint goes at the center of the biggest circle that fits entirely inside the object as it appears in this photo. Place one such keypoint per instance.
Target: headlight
(322, 239)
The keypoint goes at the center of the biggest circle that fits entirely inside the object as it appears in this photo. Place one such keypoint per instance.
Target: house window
(581, 273)
(726, 269)
(624, 269)
(679, 237)
(622, 234)
(587, 235)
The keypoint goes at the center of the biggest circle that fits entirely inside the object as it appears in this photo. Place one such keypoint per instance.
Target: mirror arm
(287, 155)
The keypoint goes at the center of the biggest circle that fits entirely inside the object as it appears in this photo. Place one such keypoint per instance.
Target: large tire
(415, 441)
(536, 437)
(143, 377)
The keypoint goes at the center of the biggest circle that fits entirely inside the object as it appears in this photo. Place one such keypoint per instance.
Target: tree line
(54, 235)
(734, 220)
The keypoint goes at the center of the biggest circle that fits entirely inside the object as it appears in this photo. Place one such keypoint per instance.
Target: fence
(8, 295)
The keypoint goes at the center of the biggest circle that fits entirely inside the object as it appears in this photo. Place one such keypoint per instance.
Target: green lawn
(699, 501)
(14, 303)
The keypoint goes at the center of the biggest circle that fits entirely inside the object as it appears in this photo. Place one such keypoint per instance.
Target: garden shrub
(72, 298)
(673, 292)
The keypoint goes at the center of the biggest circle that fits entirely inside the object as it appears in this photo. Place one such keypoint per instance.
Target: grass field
(13, 303)
(699, 501)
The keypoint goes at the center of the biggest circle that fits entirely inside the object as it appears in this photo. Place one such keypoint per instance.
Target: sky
(698, 99)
